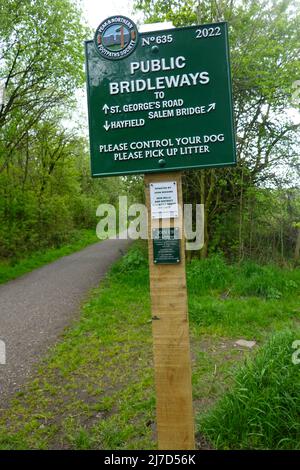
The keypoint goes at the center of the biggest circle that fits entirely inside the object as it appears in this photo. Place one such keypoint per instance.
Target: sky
(97, 10)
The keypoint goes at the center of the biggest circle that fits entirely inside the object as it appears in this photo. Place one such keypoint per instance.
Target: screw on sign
(161, 102)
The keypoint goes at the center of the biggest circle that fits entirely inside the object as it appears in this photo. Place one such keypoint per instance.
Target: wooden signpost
(160, 102)
(170, 326)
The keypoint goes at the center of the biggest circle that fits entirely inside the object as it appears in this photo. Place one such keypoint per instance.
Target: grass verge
(12, 269)
(262, 410)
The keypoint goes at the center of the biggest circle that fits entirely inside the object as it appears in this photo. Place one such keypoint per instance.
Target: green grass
(13, 269)
(248, 300)
(262, 410)
(267, 282)
(95, 389)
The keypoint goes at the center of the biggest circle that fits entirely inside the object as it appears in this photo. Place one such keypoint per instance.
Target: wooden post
(170, 327)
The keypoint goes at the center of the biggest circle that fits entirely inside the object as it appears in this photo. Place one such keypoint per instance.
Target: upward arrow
(105, 108)
(211, 106)
(106, 126)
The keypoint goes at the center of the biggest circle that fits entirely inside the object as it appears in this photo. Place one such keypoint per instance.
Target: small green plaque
(166, 245)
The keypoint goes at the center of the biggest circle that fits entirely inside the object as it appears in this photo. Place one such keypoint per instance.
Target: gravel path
(35, 308)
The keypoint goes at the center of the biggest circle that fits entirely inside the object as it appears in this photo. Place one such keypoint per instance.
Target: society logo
(116, 37)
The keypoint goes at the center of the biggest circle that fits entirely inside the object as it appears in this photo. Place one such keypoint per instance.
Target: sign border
(178, 168)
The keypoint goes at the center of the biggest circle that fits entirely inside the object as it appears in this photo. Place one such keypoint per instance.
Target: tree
(46, 192)
(41, 64)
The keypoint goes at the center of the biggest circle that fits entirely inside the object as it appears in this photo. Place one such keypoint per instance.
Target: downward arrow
(211, 106)
(105, 108)
(106, 126)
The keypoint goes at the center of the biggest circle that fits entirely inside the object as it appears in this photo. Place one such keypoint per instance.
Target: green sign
(159, 101)
(166, 245)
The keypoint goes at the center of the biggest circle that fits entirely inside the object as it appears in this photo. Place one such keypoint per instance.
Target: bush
(247, 280)
(262, 411)
(210, 273)
(135, 264)
(267, 281)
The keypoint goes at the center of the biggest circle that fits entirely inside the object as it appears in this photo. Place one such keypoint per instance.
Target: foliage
(135, 259)
(46, 192)
(245, 279)
(57, 198)
(41, 65)
(13, 268)
(241, 299)
(264, 37)
(265, 229)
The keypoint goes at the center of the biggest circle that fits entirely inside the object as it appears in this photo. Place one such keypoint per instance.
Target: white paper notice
(164, 202)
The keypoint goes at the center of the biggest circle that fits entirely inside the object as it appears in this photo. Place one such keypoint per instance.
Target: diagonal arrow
(105, 108)
(106, 126)
(211, 106)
